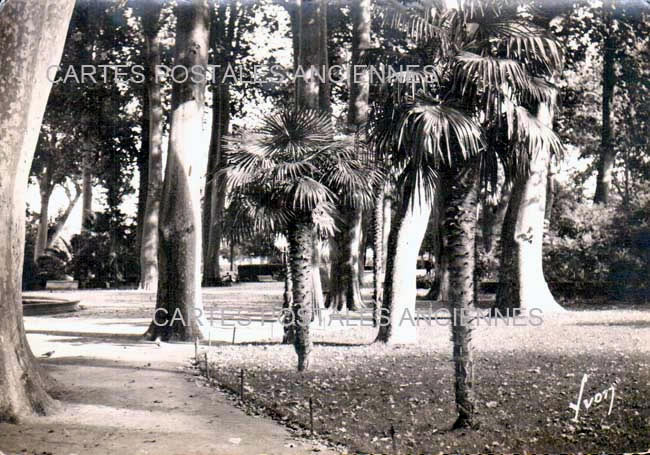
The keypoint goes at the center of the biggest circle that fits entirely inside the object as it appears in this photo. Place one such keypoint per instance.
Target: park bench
(61, 285)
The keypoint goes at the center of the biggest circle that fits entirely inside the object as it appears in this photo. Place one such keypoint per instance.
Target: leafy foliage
(604, 252)
(292, 167)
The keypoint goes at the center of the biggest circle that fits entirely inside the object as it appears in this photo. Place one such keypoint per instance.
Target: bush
(100, 261)
(598, 251)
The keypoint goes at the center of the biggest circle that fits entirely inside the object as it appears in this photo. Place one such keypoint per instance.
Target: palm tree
(293, 173)
(490, 65)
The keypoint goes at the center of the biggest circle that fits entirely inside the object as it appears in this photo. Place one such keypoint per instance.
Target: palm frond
(306, 194)
(294, 132)
(436, 130)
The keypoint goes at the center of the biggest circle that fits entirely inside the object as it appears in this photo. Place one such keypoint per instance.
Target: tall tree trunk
(397, 323)
(300, 254)
(215, 193)
(521, 276)
(309, 55)
(382, 230)
(149, 239)
(87, 216)
(307, 28)
(607, 151)
(179, 306)
(215, 197)
(378, 255)
(45, 188)
(345, 261)
(460, 229)
(325, 89)
(143, 158)
(32, 36)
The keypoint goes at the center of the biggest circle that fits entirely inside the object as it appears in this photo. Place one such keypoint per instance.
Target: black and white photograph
(324, 227)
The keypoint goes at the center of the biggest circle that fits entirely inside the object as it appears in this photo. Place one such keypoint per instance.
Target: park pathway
(121, 395)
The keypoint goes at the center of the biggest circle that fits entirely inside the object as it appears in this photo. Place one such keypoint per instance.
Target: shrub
(599, 251)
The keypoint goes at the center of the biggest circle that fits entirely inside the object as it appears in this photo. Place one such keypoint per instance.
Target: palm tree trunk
(149, 238)
(179, 306)
(32, 36)
(460, 229)
(300, 237)
(378, 255)
(521, 276)
(287, 302)
(397, 321)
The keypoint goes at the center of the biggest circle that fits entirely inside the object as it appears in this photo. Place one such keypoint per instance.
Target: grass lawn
(525, 379)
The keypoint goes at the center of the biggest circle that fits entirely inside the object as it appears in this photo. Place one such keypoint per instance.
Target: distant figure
(428, 266)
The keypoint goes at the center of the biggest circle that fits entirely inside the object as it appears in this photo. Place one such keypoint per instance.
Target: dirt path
(121, 395)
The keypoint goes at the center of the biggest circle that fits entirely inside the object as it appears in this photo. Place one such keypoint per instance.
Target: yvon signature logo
(597, 398)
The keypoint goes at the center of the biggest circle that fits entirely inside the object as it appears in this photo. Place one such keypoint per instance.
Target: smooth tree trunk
(149, 237)
(215, 194)
(61, 222)
(45, 189)
(521, 275)
(179, 307)
(32, 36)
(142, 161)
(460, 230)
(300, 256)
(214, 201)
(397, 324)
(309, 68)
(607, 151)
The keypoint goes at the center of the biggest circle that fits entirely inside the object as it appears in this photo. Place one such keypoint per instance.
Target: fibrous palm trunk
(397, 324)
(378, 255)
(32, 36)
(300, 237)
(179, 307)
(149, 236)
(521, 276)
(287, 299)
(460, 230)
